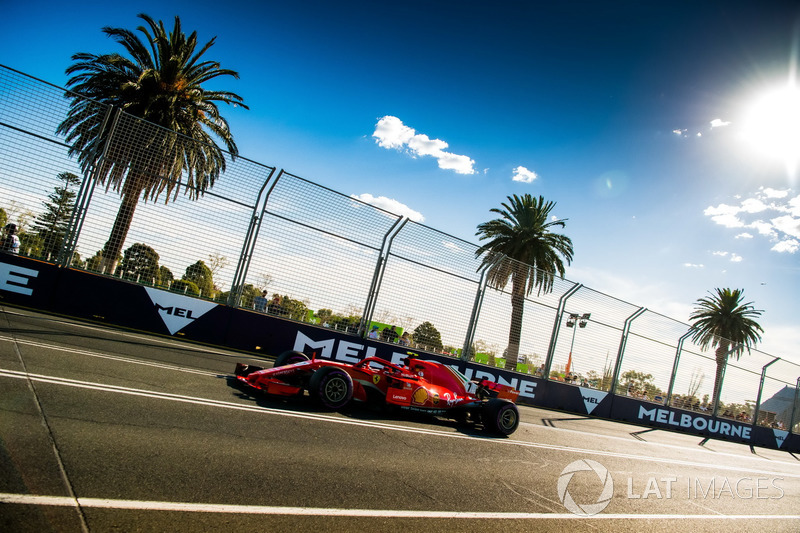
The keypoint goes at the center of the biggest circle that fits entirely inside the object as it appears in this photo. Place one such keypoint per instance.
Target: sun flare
(772, 125)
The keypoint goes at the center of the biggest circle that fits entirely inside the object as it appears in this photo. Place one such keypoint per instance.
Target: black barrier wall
(43, 286)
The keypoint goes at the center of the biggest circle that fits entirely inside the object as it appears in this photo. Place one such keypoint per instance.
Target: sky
(667, 133)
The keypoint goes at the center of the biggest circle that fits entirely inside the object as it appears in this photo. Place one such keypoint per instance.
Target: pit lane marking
(369, 424)
(101, 503)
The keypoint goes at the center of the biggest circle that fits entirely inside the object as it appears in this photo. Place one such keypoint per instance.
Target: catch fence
(325, 257)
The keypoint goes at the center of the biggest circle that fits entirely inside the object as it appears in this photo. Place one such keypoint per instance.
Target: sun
(772, 125)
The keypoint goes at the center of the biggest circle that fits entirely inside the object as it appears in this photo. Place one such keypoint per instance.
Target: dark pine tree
(51, 226)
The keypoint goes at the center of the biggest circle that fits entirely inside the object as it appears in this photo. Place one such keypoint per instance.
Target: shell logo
(419, 396)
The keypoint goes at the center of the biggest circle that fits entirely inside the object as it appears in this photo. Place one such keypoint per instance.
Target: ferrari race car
(417, 385)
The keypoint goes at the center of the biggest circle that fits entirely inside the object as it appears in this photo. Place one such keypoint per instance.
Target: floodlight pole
(581, 321)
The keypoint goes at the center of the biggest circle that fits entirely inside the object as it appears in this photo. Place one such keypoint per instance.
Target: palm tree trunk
(515, 330)
(122, 224)
(722, 360)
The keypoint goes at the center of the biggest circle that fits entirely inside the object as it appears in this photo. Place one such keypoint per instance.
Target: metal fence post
(466, 351)
(551, 349)
(795, 410)
(760, 389)
(621, 352)
(251, 235)
(675, 364)
(377, 276)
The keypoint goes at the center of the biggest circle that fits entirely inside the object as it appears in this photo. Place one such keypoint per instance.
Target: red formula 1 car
(418, 385)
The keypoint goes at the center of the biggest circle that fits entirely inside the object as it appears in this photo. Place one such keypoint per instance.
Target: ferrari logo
(376, 378)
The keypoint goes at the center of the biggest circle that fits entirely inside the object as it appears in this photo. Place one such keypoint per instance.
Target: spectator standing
(260, 302)
(10, 239)
(274, 306)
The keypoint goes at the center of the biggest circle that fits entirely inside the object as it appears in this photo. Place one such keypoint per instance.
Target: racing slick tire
(289, 358)
(500, 417)
(332, 387)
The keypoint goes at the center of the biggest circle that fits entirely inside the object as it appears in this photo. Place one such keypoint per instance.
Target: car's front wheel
(332, 386)
(289, 358)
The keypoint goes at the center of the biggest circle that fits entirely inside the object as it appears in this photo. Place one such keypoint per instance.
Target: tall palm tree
(162, 82)
(523, 249)
(723, 322)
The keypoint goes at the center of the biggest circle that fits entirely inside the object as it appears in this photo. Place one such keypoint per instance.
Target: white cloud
(692, 265)
(735, 258)
(789, 245)
(718, 123)
(788, 225)
(774, 193)
(390, 132)
(753, 205)
(763, 228)
(783, 229)
(679, 132)
(524, 175)
(391, 205)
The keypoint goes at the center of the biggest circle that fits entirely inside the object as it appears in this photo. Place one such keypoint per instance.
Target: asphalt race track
(108, 430)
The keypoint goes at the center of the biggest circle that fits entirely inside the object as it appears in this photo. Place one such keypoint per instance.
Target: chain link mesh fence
(281, 244)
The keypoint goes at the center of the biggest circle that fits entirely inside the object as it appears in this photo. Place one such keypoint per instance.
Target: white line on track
(99, 503)
(371, 424)
(100, 355)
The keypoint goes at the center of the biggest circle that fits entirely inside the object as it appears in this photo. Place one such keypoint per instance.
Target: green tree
(30, 244)
(165, 276)
(723, 322)
(428, 336)
(77, 262)
(249, 292)
(294, 309)
(522, 248)
(185, 287)
(140, 263)
(162, 81)
(200, 275)
(51, 226)
(324, 315)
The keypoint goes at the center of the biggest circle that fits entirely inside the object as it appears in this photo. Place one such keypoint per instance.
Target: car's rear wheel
(332, 387)
(289, 358)
(500, 417)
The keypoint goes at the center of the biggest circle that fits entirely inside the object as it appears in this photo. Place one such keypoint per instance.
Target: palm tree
(161, 82)
(723, 322)
(523, 248)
